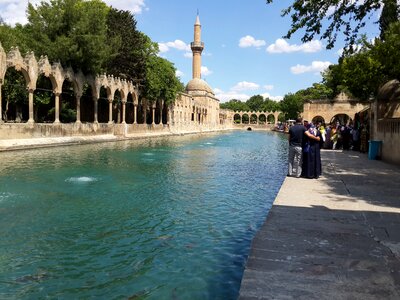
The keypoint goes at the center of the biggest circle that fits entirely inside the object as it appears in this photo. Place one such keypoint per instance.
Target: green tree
(362, 73)
(12, 37)
(270, 105)
(292, 106)
(161, 81)
(235, 105)
(73, 32)
(255, 103)
(14, 92)
(389, 15)
(316, 92)
(129, 60)
(338, 16)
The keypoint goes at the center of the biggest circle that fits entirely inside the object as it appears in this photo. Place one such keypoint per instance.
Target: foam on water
(82, 179)
(4, 196)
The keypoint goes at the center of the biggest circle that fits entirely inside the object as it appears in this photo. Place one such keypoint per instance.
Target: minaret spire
(197, 48)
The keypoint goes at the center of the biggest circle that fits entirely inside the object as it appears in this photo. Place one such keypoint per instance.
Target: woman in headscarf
(311, 153)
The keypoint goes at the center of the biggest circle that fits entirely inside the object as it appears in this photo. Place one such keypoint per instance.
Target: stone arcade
(195, 110)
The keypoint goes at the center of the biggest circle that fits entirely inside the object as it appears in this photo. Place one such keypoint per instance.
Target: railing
(389, 126)
(197, 45)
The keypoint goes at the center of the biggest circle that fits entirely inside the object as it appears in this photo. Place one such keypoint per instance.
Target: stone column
(169, 115)
(153, 112)
(123, 112)
(135, 113)
(374, 105)
(57, 108)
(161, 111)
(78, 109)
(96, 110)
(31, 119)
(144, 110)
(110, 111)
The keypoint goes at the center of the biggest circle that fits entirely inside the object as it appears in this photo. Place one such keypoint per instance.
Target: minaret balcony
(197, 46)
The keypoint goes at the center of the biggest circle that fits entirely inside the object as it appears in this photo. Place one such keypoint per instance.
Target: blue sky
(244, 53)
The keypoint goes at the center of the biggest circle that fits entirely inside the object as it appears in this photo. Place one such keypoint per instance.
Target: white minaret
(197, 48)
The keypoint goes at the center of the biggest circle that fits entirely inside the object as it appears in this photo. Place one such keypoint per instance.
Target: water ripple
(166, 219)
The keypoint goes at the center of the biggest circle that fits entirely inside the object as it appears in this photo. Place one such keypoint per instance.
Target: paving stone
(337, 237)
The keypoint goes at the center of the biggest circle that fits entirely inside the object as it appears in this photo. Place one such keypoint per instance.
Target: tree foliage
(389, 15)
(161, 81)
(292, 105)
(129, 58)
(73, 32)
(362, 73)
(348, 17)
(254, 103)
(235, 105)
(90, 36)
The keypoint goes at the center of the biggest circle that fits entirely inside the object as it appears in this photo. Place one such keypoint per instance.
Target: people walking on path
(296, 134)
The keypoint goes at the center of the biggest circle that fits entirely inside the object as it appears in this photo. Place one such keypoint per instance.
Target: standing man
(296, 133)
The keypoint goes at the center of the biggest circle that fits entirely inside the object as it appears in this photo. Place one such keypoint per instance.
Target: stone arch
(262, 119)
(14, 107)
(14, 59)
(237, 118)
(130, 109)
(165, 113)
(245, 118)
(103, 104)
(343, 119)
(67, 101)
(87, 103)
(271, 118)
(318, 119)
(158, 112)
(44, 100)
(253, 118)
(117, 99)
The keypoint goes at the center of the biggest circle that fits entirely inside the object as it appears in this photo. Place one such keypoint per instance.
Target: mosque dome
(198, 85)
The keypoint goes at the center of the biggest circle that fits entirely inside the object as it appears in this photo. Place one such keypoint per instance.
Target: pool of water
(158, 219)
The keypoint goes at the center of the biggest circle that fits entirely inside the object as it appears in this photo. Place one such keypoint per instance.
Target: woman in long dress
(312, 154)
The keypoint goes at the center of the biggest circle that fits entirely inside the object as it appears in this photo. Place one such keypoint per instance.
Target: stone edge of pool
(45, 142)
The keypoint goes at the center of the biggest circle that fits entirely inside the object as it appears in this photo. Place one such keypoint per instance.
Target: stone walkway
(337, 237)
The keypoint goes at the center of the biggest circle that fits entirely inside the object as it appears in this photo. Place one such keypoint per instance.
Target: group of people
(346, 137)
(305, 142)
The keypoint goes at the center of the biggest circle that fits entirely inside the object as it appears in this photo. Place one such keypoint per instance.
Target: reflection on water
(167, 218)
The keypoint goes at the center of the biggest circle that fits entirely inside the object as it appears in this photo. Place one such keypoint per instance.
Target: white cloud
(226, 96)
(179, 73)
(315, 67)
(14, 11)
(134, 6)
(177, 44)
(205, 71)
(188, 55)
(282, 46)
(236, 92)
(245, 86)
(269, 87)
(249, 41)
(274, 98)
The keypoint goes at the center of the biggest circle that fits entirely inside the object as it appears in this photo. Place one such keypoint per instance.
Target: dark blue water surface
(168, 218)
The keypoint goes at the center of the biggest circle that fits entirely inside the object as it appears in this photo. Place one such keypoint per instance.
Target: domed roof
(197, 84)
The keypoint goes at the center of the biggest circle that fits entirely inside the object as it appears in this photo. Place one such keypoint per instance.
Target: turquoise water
(159, 219)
